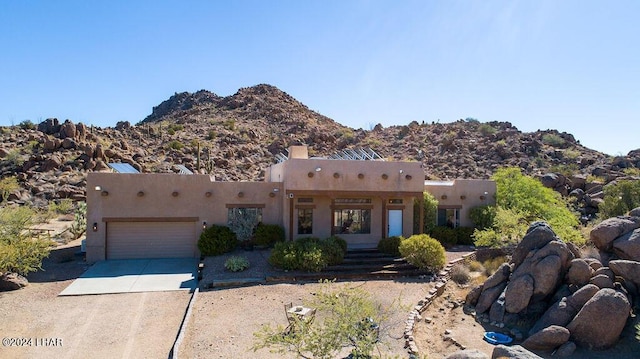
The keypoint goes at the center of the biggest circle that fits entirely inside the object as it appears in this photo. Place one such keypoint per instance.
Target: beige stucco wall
(158, 201)
(464, 194)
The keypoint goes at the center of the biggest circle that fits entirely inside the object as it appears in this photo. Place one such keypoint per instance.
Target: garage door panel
(150, 240)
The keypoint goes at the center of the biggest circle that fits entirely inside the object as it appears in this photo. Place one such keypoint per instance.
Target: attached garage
(145, 239)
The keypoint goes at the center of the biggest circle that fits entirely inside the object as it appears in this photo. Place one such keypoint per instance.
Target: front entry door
(395, 223)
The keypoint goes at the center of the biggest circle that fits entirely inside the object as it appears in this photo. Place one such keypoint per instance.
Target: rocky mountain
(237, 137)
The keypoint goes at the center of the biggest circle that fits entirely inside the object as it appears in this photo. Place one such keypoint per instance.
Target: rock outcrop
(568, 300)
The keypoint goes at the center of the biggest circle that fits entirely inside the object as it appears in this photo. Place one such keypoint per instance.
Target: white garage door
(127, 240)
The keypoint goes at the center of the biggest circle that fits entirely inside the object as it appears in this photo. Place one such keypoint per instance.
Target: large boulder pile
(556, 298)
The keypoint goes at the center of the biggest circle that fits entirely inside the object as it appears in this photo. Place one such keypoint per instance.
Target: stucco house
(143, 215)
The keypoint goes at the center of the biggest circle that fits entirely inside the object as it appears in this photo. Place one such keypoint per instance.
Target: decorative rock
(12, 281)
(546, 276)
(586, 328)
(473, 295)
(538, 235)
(547, 339)
(488, 296)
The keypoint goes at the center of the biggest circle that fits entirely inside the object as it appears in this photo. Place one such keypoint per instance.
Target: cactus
(198, 157)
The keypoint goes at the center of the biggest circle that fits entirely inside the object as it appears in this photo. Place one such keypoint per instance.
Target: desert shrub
(445, 235)
(236, 263)
(268, 234)
(460, 274)
(492, 265)
(64, 206)
(217, 240)
(284, 256)
(19, 252)
(7, 185)
(27, 125)
(79, 225)
(309, 253)
(464, 235)
(334, 249)
(553, 140)
(176, 145)
(619, 198)
(423, 252)
(390, 245)
(476, 266)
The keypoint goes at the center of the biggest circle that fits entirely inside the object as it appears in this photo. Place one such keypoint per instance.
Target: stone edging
(173, 354)
(441, 280)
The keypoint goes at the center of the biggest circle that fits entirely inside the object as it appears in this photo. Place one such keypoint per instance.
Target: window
(395, 201)
(305, 220)
(352, 221)
(449, 217)
(352, 200)
(243, 221)
(305, 200)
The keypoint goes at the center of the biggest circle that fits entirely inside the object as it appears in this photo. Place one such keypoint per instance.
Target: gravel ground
(223, 320)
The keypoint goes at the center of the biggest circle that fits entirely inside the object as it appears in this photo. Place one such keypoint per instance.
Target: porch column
(385, 230)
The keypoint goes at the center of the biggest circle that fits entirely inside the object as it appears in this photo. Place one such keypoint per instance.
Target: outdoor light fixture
(204, 225)
(401, 171)
(98, 188)
(95, 226)
(318, 169)
(276, 190)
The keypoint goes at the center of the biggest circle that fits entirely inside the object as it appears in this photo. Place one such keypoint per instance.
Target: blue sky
(568, 65)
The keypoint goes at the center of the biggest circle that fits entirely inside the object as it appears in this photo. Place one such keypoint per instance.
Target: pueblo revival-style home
(357, 196)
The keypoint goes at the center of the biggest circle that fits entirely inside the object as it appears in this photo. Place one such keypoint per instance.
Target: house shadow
(62, 264)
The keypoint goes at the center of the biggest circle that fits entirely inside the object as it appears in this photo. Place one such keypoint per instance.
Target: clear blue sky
(568, 65)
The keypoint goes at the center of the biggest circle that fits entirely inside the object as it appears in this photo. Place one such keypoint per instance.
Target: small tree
(430, 213)
(350, 319)
(19, 252)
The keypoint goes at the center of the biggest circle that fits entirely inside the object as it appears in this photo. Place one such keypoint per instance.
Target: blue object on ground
(496, 338)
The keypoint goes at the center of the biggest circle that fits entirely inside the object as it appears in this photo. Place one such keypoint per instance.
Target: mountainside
(237, 137)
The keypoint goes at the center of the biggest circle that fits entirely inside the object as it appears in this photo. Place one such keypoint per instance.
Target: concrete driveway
(136, 275)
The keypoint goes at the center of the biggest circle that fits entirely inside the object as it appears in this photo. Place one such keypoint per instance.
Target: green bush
(309, 253)
(333, 249)
(217, 240)
(284, 256)
(486, 129)
(445, 235)
(390, 245)
(464, 235)
(175, 145)
(236, 264)
(423, 252)
(553, 140)
(19, 252)
(268, 234)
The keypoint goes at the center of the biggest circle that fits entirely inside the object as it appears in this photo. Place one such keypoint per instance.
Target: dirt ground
(131, 325)
(446, 318)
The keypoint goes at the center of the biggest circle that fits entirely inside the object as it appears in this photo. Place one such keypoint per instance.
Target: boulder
(81, 131)
(627, 246)
(550, 180)
(629, 270)
(562, 312)
(488, 296)
(635, 212)
(607, 306)
(602, 281)
(566, 350)
(538, 235)
(512, 352)
(467, 354)
(547, 339)
(69, 143)
(500, 276)
(49, 126)
(546, 276)
(579, 272)
(67, 130)
(12, 281)
(497, 311)
(603, 234)
(518, 293)
(473, 295)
